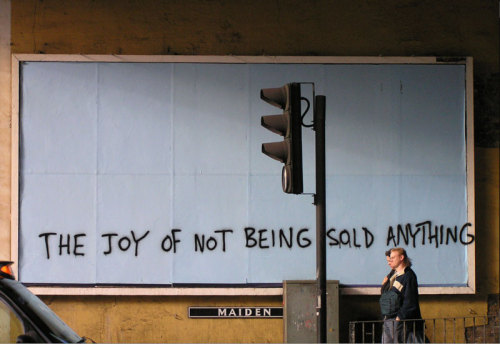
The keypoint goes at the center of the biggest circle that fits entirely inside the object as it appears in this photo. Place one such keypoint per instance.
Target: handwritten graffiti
(424, 232)
(265, 238)
(64, 243)
(134, 242)
(346, 238)
(211, 242)
(124, 242)
(170, 242)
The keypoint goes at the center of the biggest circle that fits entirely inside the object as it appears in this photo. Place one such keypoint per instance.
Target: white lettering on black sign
(235, 312)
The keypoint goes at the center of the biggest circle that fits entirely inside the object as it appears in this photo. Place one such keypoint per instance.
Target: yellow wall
(5, 105)
(164, 319)
(258, 27)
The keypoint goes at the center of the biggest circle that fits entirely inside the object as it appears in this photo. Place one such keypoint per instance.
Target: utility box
(299, 311)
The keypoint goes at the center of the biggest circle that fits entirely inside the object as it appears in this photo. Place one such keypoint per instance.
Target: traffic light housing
(288, 125)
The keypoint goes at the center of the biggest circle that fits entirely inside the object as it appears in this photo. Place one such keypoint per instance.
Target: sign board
(150, 173)
(235, 312)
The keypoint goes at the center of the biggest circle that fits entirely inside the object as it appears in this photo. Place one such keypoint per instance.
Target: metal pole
(320, 202)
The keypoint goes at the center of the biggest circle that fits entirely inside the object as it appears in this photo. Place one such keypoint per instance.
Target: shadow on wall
(487, 111)
(356, 308)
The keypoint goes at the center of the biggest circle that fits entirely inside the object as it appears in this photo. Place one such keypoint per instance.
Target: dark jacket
(386, 286)
(406, 286)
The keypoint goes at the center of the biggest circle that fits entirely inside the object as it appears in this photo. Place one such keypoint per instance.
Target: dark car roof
(38, 312)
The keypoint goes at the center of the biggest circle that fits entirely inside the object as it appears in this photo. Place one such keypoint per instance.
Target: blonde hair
(402, 252)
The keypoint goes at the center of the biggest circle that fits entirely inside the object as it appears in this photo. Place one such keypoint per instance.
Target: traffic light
(289, 125)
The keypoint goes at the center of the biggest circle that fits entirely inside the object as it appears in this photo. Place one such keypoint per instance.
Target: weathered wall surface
(260, 27)
(163, 319)
(213, 27)
(5, 116)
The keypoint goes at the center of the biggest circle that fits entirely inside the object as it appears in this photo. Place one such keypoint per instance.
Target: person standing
(385, 282)
(400, 302)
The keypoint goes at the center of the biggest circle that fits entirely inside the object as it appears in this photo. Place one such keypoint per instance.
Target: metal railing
(473, 329)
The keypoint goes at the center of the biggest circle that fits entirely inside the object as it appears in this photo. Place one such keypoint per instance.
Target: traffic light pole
(289, 151)
(320, 203)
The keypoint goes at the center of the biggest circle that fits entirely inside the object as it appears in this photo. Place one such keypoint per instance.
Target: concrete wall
(260, 27)
(163, 319)
(5, 131)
